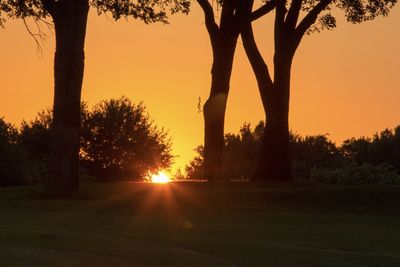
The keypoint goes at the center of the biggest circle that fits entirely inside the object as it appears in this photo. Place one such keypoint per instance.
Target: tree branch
(227, 15)
(37, 37)
(211, 25)
(280, 27)
(257, 61)
(263, 10)
(280, 12)
(293, 14)
(311, 18)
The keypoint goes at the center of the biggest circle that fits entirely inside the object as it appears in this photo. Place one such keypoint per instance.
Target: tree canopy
(293, 19)
(313, 158)
(119, 140)
(148, 11)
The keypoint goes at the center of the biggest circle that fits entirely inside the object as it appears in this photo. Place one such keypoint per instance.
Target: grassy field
(192, 224)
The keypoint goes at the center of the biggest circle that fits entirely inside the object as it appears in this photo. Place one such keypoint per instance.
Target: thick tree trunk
(274, 163)
(70, 18)
(215, 107)
(214, 121)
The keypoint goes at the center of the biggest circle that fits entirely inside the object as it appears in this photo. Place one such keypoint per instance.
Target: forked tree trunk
(215, 107)
(274, 162)
(70, 18)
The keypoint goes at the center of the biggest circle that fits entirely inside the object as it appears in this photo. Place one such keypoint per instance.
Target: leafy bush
(310, 151)
(357, 161)
(357, 174)
(34, 138)
(12, 156)
(119, 141)
(384, 147)
(194, 170)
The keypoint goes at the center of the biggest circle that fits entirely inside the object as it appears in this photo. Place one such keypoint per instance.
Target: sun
(160, 178)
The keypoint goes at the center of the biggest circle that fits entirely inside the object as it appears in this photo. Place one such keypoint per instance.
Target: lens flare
(160, 178)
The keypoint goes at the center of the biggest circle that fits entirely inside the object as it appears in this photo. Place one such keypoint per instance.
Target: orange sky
(345, 82)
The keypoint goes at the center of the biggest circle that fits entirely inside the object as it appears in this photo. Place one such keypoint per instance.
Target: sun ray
(160, 178)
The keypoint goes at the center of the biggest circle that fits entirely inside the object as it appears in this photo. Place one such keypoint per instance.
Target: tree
(11, 156)
(293, 19)
(357, 151)
(309, 155)
(223, 39)
(194, 170)
(34, 138)
(240, 154)
(310, 152)
(70, 19)
(241, 151)
(384, 147)
(119, 141)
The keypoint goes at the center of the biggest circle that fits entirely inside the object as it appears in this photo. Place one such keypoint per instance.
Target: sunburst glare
(160, 178)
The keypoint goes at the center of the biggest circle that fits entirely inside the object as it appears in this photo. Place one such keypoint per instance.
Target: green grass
(192, 224)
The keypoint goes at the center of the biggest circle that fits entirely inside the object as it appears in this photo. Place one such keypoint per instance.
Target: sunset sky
(345, 82)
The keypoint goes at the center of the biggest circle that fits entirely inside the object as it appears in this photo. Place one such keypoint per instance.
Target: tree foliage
(12, 157)
(35, 135)
(148, 11)
(119, 140)
(383, 147)
(293, 19)
(314, 158)
(320, 14)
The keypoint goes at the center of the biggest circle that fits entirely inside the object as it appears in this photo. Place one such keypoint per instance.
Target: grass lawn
(192, 224)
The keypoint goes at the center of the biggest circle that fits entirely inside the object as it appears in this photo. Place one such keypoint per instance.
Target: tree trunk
(214, 121)
(70, 18)
(274, 163)
(215, 107)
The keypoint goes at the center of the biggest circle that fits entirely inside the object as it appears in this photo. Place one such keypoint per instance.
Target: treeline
(314, 158)
(118, 141)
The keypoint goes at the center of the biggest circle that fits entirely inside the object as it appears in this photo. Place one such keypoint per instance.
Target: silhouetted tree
(240, 154)
(34, 138)
(357, 151)
(223, 38)
(70, 19)
(194, 170)
(35, 135)
(293, 19)
(313, 151)
(11, 156)
(383, 147)
(119, 141)
(312, 157)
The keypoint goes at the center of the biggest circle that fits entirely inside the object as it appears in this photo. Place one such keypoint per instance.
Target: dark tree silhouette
(383, 147)
(70, 19)
(223, 38)
(240, 154)
(313, 158)
(119, 141)
(293, 19)
(11, 158)
(194, 170)
(34, 138)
